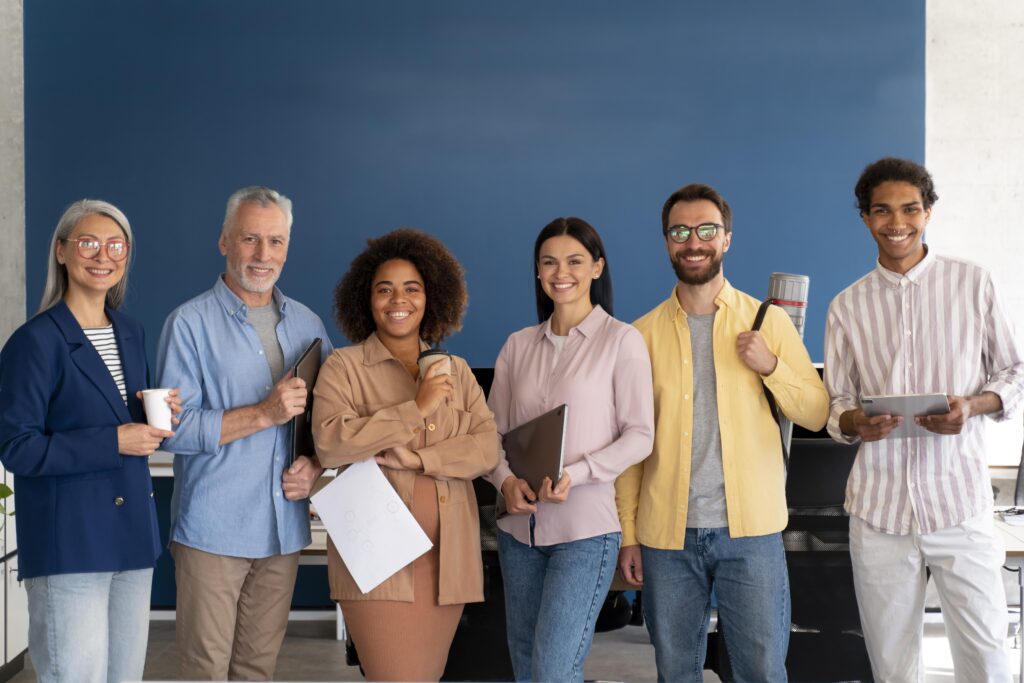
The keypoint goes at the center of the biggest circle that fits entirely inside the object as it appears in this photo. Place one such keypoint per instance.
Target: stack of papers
(1014, 516)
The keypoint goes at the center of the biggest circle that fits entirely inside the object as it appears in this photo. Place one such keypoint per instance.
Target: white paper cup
(430, 356)
(158, 413)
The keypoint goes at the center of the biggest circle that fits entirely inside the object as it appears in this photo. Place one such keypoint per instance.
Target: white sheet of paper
(374, 532)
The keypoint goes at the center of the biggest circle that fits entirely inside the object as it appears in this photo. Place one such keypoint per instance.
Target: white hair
(255, 194)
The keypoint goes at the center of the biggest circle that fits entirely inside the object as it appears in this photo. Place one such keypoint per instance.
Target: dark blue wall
(478, 122)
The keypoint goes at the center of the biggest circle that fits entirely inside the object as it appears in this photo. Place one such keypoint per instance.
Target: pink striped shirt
(940, 328)
(603, 373)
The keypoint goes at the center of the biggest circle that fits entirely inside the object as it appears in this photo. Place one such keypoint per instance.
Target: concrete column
(974, 146)
(12, 168)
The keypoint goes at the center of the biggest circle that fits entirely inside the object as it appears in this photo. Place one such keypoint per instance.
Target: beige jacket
(363, 403)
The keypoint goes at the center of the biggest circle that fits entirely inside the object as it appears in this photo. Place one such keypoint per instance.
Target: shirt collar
(587, 327)
(727, 297)
(234, 304)
(375, 352)
(913, 275)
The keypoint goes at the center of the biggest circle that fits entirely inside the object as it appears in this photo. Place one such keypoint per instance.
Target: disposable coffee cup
(158, 413)
(430, 356)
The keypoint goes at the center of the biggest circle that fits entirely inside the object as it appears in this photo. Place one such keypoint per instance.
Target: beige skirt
(408, 641)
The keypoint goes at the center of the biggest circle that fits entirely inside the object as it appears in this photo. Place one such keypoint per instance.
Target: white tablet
(908, 406)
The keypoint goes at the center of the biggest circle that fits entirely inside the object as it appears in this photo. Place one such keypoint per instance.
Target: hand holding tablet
(909, 407)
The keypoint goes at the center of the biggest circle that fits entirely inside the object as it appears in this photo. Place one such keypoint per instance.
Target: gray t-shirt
(707, 483)
(265, 320)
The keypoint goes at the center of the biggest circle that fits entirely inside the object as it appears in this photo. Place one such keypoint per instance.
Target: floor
(310, 653)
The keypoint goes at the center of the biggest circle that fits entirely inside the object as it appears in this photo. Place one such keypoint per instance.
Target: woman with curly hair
(559, 545)
(430, 434)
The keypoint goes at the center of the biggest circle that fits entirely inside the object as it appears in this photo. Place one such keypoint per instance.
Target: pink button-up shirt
(603, 374)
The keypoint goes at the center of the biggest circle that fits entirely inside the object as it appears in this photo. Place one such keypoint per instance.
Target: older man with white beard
(239, 514)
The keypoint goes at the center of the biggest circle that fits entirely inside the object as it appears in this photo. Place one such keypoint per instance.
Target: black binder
(307, 368)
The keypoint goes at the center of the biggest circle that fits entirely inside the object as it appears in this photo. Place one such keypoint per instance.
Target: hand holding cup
(436, 384)
(135, 438)
(161, 407)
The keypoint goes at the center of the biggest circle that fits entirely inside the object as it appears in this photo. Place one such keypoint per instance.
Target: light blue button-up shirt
(228, 499)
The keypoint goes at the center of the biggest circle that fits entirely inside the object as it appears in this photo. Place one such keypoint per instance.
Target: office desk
(316, 553)
(1013, 538)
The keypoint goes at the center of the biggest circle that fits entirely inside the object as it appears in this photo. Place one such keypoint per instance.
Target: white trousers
(889, 576)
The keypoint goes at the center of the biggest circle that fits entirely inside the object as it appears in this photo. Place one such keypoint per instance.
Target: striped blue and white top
(106, 345)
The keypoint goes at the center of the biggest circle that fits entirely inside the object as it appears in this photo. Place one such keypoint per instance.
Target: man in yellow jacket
(707, 508)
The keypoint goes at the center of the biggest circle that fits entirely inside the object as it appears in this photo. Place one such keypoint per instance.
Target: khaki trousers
(232, 613)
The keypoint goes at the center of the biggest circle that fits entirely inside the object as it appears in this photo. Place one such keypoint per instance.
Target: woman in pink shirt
(558, 546)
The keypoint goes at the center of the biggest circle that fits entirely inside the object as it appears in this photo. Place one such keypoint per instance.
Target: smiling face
(897, 218)
(696, 262)
(95, 274)
(256, 247)
(566, 270)
(398, 301)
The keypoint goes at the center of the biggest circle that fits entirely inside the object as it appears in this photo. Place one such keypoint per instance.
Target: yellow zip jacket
(652, 496)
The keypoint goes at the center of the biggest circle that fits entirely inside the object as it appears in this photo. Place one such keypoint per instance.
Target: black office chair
(825, 641)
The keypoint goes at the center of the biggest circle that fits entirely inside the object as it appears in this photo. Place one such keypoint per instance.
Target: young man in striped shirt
(922, 323)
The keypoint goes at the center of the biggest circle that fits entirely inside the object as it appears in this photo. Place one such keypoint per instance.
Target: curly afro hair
(443, 282)
(892, 168)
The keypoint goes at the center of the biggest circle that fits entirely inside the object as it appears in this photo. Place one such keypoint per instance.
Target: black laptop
(535, 449)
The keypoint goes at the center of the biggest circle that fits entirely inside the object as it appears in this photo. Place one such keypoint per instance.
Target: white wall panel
(974, 146)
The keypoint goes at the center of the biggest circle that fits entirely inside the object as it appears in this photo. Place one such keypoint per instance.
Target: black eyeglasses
(89, 247)
(705, 232)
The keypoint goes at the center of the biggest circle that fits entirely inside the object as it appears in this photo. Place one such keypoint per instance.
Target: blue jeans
(89, 628)
(751, 584)
(552, 597)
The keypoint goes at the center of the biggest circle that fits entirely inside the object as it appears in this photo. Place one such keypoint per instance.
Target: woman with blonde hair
(72, 432)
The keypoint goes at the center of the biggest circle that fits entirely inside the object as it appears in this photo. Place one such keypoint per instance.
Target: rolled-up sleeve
(178, 365)
(1003, 356)
(795, 382)
(841, 379)
(627, 500)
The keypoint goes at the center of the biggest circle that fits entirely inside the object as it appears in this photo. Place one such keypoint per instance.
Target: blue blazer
(82, 507)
